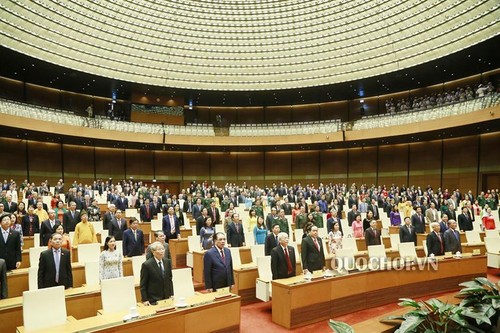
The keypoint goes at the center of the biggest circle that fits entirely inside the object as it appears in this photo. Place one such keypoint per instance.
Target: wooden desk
(469, 248)
(17, 280)
(293, 305)
(187, 320)
(178, 249)
(81, 303)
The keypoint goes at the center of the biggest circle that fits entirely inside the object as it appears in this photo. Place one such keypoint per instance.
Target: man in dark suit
(464, 220)
(118, 226)
(332, 220)
(71, 218)
(287, 207)
(272, 239)
(159, 237)
(351, 215)
(121, 202)
(451, 238)
(372, 235)
(30, 223)
(171, 225)
(10, 243)
(283, 259)
(313, 256)
(3, 279)
(235, 234)
(200, 220)
(434, 240)
(271, 218)
(218, 265)
(109, 217)
(197, 208)
(54, 267)
(146, 211)
(214, 213)
(374, 208)
(156, 205)
(156, 277)
(407, 232)
(48, 227)
(9, 205)
(418, 221)
(133, 240)
(187, 206)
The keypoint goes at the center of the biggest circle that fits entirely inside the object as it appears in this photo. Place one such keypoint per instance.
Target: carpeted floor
(256, 318)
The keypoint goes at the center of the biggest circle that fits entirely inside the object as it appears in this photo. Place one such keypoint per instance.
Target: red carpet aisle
(256, 318)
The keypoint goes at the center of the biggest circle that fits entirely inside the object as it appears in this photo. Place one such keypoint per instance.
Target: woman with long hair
(110, 261)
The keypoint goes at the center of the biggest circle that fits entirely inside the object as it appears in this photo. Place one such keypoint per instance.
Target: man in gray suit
(452, 238)
(156, 277)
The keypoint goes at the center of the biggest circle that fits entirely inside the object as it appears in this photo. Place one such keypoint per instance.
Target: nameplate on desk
(221, 297)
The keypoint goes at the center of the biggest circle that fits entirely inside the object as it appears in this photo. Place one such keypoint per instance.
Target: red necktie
(31, 226)
(213, 210)
(222, 256)
(147, 212)
(288, 262)
(440, 241)
(316, 243)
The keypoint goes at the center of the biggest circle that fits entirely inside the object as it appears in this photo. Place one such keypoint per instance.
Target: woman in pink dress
(357, 227)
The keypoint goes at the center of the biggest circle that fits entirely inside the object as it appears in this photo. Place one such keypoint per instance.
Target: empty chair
(298, 235)
(346, 229)
(492, 245)
(136, 267)
(104, 233)
(36, 303)
(194, 243)
(88, 252)
(407, 251)
(118, 294)
(257, 251)
(35, 255)
(218, 228)
(426, 250)
(473, 237)
(97, 227)
(394, 241)
(350, 243)
(249, 238)
(235, 255)
(183, 282)
(36, 240)
(92, 273)
(322, 233)
(263, 286)
(33, 278)
(344, 258)
(376, 255)
(119, 245)
(492, 233)
(476, 226)
(297, 253)
(156, 225)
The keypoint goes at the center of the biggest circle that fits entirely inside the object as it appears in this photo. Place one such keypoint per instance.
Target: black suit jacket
(433, 244)
(156, 285)
(464, 222)
(418, 224)
(451, 243)
(235, 238)
(69, 222)
(312, 259)
(197, 211)
(121, 204)
(3, 279)
(186, 206)
(218, 273)
(13, 207)
(143, 213)
(26, 224)
(107, 219)
(375, 211)
(351, 216)
(10, 251)
(279, 266)
(216, 219)
(167, 227)
(330, 222)
(131, 247)
(117, 231)
(47, 270)
(270, 244)
(46, 231)
(371, 238)
(406, 235)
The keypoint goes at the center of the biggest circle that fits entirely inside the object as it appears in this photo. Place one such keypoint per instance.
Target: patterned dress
(110, 265)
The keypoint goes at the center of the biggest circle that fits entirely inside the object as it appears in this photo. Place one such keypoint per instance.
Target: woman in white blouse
(110, 261)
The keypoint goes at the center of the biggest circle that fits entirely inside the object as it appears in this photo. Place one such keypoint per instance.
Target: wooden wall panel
(308, 112)
(44, 161)
(223, 168)
(168, 165)
(333, 110)
(251, 168)
(110, 162)
(13, 165)
(278, 114)
(425, 164)
(393, 165)
(196, 166)
(460, 164)
(278, 167)
(42, 96)
(305, 167)
(362, 165)
(489, 160)
(79, 163)
(333, 166)
(251, 115)
(140, 164)
(11, 89)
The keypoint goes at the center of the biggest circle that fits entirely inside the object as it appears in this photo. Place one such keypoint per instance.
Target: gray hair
(282, 235)
(156, 245)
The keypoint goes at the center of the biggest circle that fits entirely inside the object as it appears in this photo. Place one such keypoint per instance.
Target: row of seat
(412, 117)
(223, 54)
(311, 127)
